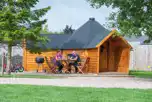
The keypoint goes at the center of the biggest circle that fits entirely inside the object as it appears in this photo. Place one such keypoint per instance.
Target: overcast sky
(72, 12)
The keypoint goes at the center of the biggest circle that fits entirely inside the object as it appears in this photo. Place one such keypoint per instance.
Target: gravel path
(98, 82)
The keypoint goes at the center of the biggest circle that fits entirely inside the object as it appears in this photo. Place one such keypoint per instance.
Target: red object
(4, 66)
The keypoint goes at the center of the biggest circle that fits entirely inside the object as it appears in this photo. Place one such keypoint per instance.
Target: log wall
(31, 65)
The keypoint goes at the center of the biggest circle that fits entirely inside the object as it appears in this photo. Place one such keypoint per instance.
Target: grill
(39, 60)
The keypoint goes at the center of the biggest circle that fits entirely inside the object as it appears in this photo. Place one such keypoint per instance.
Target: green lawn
(141, 74)
(28, 76)
(26, 93)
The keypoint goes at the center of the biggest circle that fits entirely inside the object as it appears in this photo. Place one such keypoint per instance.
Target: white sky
(72, 12)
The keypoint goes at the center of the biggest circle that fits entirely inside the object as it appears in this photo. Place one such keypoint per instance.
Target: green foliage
(133, 17)
(60, 32)
(45, 30)
(116, 34)
(68, 30)
(18, 21)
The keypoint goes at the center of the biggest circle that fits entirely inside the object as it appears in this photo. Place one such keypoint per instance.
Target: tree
(133, 17)
(58, 32)
(45, 30)
(19, 22)
(68, 30)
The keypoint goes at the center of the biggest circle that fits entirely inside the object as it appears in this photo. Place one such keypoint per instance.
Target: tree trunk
(2, 70)
(9, 59)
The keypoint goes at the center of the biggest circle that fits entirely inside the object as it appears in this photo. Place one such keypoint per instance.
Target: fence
(17, 54)
(141, 58)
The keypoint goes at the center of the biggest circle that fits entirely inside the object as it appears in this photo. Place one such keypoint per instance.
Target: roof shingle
(87, 36)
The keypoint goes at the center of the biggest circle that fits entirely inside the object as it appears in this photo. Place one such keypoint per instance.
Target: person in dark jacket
(74, 56)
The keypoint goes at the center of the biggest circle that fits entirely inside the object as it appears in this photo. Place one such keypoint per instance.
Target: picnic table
(81, 65)
(66, 62)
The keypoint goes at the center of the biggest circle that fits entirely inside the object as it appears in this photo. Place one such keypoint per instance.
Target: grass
(141, 74)
(28, 76)
(27, 93)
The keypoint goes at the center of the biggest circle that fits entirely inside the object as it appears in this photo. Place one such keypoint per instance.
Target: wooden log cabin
(107, 53)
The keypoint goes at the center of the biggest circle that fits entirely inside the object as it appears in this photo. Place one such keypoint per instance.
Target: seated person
(74, 56)
(58, 57)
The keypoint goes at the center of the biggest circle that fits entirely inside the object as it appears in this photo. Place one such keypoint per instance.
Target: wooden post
(2, 70)
(24, 56)
(128, 60)
(98, 61)
(108, 54)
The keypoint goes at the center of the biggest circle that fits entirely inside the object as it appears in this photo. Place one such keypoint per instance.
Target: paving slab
(97, 82)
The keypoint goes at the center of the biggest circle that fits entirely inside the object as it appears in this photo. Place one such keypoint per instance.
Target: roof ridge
(95, 35)
(89, 34)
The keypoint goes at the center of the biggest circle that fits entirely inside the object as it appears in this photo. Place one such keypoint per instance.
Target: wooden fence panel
(141, 58)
